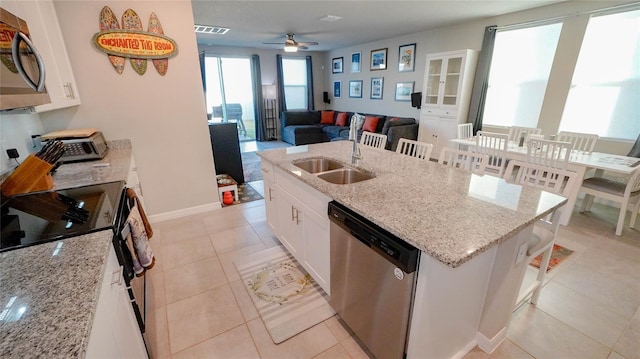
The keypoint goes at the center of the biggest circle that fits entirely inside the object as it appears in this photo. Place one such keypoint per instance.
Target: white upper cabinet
(447, 82)
(46, 35)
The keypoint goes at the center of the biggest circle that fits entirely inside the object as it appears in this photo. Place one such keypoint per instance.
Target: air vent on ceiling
(215, 30)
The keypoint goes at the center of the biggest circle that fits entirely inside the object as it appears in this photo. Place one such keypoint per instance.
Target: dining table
(579, 162)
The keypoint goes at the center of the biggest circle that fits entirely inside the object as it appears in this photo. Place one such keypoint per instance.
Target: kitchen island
(49, 292)
(469, 229)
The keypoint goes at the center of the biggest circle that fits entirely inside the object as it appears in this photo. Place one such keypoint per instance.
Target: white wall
(164, 116)
(16, 130)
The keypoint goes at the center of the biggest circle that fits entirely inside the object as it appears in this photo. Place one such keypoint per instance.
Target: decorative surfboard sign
(131, 42)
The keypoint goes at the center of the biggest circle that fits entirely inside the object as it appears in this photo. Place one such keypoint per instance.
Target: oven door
(136, 286)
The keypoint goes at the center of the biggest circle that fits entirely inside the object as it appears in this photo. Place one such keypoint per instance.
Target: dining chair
(549, 153)
(555, 180)
(493, 145)
(414, 148)
(465, 130)
(617, 191)
(466, 160)
(635, 149)
(374, 140)
(516, 132)
(582, 142)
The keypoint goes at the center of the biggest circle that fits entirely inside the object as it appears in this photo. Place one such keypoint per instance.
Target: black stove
(41, 217)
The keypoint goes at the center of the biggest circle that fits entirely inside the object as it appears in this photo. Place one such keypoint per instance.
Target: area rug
(246, 193)
(288, 300)
(252, 171)
(558, 254)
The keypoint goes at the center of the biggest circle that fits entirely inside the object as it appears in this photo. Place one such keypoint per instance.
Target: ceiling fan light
(290, 48)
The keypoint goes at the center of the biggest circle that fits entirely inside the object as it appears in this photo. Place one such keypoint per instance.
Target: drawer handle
(270, 195)
(264, 170)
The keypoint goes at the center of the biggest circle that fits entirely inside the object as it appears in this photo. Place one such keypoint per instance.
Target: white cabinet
(437, 130)
(298, 214)
(448, 80)
(115, 332)
(46, 35)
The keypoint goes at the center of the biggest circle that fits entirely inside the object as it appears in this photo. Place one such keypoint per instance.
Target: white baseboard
(185, 212)
(489, 345)
(465, 350)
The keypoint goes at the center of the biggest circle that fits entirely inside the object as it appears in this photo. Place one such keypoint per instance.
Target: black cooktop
(41, 217)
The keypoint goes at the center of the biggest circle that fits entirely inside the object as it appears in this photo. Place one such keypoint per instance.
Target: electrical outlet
(522, 252)
(12, 153)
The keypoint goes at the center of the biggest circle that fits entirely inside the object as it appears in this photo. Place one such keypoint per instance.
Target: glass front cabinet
(446, 75)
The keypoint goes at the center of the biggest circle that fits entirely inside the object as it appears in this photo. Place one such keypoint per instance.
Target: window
(294, 72)
(520, 68)
(605, 91)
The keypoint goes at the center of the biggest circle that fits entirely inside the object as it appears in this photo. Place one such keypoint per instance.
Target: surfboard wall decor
(129, 41)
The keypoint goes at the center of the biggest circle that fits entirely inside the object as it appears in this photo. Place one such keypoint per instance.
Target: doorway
(229, 94)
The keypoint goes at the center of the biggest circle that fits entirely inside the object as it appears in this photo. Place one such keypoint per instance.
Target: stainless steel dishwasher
(373, 275)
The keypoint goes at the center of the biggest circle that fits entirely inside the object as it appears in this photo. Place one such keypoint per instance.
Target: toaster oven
(79, 146)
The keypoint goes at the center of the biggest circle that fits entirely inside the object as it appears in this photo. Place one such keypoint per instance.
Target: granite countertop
(49, 292)
(48, 295)
(448, 213)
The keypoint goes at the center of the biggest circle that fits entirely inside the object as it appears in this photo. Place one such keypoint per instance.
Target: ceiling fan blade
(274, 43)
(312, 43)
(302, 47)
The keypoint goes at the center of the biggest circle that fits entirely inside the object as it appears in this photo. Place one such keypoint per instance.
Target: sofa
(307, 127)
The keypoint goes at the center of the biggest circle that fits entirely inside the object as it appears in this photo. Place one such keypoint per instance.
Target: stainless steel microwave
(22, 71)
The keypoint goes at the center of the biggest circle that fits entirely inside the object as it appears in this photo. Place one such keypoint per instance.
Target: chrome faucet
(353, 137)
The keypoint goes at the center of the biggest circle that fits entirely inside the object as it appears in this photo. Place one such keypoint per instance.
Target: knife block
(32, 175)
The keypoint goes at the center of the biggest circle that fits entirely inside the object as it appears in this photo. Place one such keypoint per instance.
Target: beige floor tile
(176, 230)
(201, 317)
(353, 348)
(230, 217)
(627, 271)
(236, 343)
(155, 289)
(307, 344)
(508, 350)
(622, 247)
(186, 251)
(476, 353)
(248, 309)
(193, 278)
(233, 239)
(335, 352)
(227, 259)
(615, 355)
(254, 214)
(543, 336)
(582, 313)
(338, 330)
(612, 290)
(629, 344)
(157, 333)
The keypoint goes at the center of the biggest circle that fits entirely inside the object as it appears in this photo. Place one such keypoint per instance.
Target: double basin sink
(332, 171)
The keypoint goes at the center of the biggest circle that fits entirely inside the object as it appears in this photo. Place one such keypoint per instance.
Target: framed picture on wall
(403, 91)
(336, 65)
(378, 59)
(407, 58)
(355, 62)
(337, 89)
(376, 88)
(355, 89)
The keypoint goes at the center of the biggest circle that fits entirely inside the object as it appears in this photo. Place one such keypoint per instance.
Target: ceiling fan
(291, 45)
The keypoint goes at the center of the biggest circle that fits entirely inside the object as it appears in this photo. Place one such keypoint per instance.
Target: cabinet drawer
(312, 198)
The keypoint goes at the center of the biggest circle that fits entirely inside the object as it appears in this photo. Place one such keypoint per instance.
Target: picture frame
(355, 89)
(407, 58)
(336, 65)
(356, 62)
(404, 90)
(377, 85)
(378, 59)
(337, 89)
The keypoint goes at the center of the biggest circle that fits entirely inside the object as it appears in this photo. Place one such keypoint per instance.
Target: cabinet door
(289, 218)
(428, 130)
(447, 130)
(433, 81)
(115, 332)
(317, 249)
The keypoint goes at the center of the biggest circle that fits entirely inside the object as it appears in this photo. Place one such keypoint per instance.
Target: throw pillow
(326, 118)
(341, 119)
(359, 120)
(370, 123)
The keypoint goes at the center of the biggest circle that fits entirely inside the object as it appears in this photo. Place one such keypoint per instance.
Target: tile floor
(198, 308)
